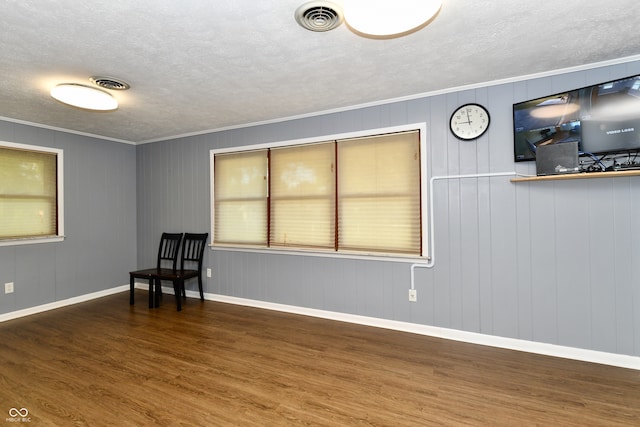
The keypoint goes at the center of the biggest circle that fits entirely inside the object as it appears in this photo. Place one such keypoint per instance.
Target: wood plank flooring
(104, 363)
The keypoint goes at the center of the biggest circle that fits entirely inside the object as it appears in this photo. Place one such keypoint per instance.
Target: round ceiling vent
(109, 83)
(319, 15)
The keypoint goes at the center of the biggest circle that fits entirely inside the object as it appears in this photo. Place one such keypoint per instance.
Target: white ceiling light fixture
(389, 18)
(86, 97)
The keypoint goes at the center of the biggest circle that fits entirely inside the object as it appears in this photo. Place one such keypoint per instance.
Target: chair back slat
(169, 249)
(193, 249)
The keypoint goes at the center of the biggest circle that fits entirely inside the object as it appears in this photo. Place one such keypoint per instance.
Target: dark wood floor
(104, 363)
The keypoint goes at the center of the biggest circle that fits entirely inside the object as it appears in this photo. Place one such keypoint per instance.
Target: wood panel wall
(552, 262)
(548, 262)
(100, 223)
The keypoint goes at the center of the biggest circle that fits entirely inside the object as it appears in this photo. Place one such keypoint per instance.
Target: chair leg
(176, 289)
(200, 286)
(150, 293)
(177, 286)
(131, 289)
(157, 293)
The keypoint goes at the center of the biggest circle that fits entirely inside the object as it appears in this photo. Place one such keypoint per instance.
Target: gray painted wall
(100, 223)
(552, 262)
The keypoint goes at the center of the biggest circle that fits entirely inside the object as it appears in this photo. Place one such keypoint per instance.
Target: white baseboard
(62, 303)
(612, 359)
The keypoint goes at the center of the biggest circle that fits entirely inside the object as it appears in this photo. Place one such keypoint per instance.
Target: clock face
(469, 121)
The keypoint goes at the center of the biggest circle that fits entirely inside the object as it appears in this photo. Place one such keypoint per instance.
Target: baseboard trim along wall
(62, 303)
(612, 359)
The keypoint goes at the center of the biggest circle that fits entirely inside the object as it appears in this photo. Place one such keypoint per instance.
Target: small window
(240, 189)
(379, 194)
(302, 197)
(30, 194)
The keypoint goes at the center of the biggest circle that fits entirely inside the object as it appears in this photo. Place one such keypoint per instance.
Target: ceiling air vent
(319, 16)
(109, 83)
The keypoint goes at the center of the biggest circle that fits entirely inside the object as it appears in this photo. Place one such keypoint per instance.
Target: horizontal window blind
(352, 195)
(240, 203)
(302, 196)
(28, 194)
(379, 194)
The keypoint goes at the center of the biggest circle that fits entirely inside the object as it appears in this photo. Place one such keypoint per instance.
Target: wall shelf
(586, 175)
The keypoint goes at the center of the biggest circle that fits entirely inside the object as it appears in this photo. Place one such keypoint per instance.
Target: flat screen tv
(603, 119)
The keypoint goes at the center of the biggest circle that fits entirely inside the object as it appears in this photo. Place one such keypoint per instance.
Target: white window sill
(328, 254)
(31, 240)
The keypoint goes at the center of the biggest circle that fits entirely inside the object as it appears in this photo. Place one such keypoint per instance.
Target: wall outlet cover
(8, 288)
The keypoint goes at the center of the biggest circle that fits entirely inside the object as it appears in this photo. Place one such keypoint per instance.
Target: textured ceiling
(198, 65)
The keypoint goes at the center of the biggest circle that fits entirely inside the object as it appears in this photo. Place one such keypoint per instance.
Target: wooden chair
(192, 253)
(167, 254)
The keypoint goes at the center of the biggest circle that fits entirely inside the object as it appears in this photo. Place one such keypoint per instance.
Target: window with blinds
(30, 204)
(356, 195)
(240, 198)
(379, 194)
(302, 196)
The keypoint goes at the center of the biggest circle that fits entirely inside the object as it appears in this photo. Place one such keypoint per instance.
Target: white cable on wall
(432, 250)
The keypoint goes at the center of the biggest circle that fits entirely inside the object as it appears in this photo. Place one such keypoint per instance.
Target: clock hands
(468, 119)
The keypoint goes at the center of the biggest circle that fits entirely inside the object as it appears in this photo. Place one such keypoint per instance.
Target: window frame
(425, 254)
(59, 195)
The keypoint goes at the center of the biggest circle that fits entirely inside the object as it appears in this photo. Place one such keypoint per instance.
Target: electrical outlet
(208, 272)
(8, 288)
(413, 295)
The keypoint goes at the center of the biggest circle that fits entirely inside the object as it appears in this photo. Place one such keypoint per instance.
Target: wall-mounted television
(603, 119)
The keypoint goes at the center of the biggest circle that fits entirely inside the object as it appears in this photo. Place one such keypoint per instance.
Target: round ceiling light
(85, 97)
(387, 19)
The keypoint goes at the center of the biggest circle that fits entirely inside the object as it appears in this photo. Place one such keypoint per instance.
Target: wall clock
(469, 121)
